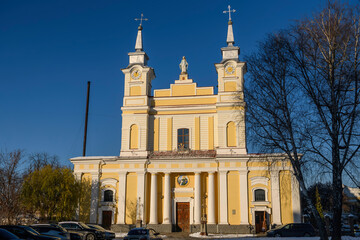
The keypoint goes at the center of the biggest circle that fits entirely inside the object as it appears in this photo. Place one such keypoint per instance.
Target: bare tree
(275, 113)
(10, 185)
(303, 97)
(40, 160)
(326, 57)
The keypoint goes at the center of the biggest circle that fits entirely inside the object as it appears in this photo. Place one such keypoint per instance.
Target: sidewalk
(193, 236)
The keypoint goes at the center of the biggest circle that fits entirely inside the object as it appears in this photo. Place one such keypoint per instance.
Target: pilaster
(223, 198)
(121, 198)
(244, 207)
(275, 197)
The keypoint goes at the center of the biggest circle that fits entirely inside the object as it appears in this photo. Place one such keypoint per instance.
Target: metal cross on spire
(229, 11)
(141, 19)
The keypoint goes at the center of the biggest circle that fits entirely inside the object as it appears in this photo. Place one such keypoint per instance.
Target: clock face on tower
(229, 69)
(136, 73)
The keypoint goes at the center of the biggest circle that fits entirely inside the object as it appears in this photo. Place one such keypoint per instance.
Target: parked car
(108, 235)
(6, 235)
(292, 230)
(25, 232)
(82, 228)
(57, 231)
(142, 234)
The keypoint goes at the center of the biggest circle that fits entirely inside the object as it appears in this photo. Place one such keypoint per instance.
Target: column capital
(274, 173)
(243, 171)
(211, 172)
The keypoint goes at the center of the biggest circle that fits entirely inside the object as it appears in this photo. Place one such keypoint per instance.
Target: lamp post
(204, 218)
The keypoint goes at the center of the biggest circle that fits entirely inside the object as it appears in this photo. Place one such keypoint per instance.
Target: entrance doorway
(183, 216)
(106, 219)
(260, 221)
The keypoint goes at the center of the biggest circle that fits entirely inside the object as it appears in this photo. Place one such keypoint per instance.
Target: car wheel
(90, 237)
(277, 235)
(307, 235)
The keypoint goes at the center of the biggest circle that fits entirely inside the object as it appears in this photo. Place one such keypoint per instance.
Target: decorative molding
(183, 190)
(109, 181)
(259, 180)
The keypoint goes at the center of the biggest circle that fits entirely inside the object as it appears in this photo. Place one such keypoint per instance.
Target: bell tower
(230, 104)
(137, 92)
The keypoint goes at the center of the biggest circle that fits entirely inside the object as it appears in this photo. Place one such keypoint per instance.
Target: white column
(94, 197)
(121, 198)
(211, 199)
(223, 199)
(167, 200)
(140, 195)
(295, 195)
(197, 199)
(275, 197)
(244, 208)
(153, 200)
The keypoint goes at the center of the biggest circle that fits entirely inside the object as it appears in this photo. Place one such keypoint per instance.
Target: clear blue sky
(50, 49)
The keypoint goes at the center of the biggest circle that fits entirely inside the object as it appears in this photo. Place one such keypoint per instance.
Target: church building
(184, 159)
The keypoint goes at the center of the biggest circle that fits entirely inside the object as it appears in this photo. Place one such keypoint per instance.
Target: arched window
(259, 195)
(134, 137)
(183, 139)
(231, 134)
(108, 196)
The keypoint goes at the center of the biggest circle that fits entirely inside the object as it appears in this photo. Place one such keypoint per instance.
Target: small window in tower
(259, 195)
(183, 139)
(108, 196)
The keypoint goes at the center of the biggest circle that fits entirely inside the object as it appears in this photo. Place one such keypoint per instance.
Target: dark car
(6, 235)
(142, 234)
(57, 231)
(108, 235)
(25, 232)
(82, 228)
(292, 230)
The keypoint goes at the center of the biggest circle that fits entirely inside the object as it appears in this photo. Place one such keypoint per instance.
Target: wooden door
(106, 219)
(260, 222)
(183, 216)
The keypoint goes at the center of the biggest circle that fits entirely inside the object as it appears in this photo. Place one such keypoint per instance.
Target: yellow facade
(184, 157)
(131, 198)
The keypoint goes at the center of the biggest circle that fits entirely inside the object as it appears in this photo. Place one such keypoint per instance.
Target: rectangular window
(259, 195)
(183, 139)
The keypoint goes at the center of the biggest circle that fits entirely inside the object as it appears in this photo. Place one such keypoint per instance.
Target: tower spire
(230, 34)
(139, 56)
(139, 42)
(230, 51)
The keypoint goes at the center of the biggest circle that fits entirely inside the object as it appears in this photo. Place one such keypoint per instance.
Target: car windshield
(84, 225)
(31, 230)
(60, 227)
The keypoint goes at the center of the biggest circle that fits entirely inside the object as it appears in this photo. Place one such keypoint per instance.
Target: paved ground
(182, 235)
